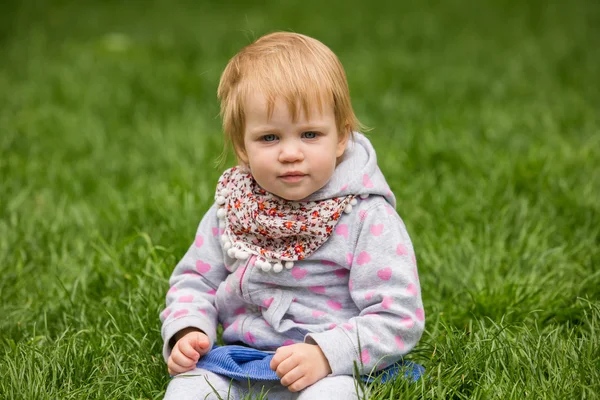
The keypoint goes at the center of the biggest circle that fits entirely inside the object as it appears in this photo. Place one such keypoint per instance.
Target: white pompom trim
(266, 266)
(242, 255)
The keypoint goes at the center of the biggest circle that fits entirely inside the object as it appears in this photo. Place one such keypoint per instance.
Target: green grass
(486, 118)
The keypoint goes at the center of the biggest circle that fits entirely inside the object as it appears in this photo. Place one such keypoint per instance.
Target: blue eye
(269, 138)
(310, 135)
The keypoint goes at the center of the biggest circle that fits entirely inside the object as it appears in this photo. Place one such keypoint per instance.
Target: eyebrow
(303, 128)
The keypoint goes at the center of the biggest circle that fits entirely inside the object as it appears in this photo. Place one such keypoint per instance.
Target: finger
(187, 349)
(291, 376)
(281, 354)
(201, 343)
(286, 366)
(299, 384)
(180, 359)
(175, 368)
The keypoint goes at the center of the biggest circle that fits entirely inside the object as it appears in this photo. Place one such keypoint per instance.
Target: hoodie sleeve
(384, 285)
(193, 284)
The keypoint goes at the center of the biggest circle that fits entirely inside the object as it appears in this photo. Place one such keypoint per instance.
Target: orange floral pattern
(274, 228)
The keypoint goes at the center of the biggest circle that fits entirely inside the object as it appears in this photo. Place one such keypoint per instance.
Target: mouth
(293, 176)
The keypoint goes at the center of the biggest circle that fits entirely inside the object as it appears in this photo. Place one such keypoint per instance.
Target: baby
(302, 252)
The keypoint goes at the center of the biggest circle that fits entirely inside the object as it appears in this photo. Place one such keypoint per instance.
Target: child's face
(291, 159)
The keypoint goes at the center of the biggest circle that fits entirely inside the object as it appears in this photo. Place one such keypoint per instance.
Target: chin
(292, 196)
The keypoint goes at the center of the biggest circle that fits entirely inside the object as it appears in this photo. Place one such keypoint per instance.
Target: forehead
(279, 108)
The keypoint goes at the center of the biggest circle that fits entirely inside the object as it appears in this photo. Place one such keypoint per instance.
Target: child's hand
(191, 345)
(300, 365)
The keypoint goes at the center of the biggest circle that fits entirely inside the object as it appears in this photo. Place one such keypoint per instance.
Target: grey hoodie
(358, 296)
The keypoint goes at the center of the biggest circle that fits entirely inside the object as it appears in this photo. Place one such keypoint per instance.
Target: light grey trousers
(194, 385)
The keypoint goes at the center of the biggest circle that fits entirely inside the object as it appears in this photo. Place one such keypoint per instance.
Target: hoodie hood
(357, 174)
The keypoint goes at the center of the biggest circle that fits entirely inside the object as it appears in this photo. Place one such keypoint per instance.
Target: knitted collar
(277, 231)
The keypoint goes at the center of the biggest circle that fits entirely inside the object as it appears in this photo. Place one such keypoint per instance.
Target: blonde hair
(295, 67)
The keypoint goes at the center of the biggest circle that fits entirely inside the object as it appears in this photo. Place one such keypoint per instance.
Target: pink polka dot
(235, 325)
(180, 313)
(332, 326)
(288, 343)
(334, 305)
(317, 313)
(387, 302)
(401, 250)
(375, 338)
(407, 322)
(363, 258)
(166, 313)
(201, 311)
(347, 326)
(341, 273)
(317, 289)
(249, 338)
(399, 342)
(202, 267)
(349, 259)
(186, 299)
(329, 263)
(369, 295)
(212, 292)
(342, 230)
(376, 229)
(173, 289)
(414, 259)
(412, 290)
(365, 357)
(299, 273)
(240, 311)
(385, 274)
(367, 181)
(420, 314)
(215, 231)
(267, 302)
(350, 284)
(199, 241)
(416, 274)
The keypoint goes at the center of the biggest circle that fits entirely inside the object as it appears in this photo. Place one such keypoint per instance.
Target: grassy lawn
(486, 119)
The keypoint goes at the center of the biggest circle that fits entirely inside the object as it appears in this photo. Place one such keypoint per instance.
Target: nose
(290, 152)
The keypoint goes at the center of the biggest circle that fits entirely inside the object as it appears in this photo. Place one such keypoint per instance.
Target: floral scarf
(274, 229)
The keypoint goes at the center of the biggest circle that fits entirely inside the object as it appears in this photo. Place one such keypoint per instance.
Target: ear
(342, 141)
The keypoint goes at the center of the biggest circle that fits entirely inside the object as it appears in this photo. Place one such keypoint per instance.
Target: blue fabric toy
(242, 363)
